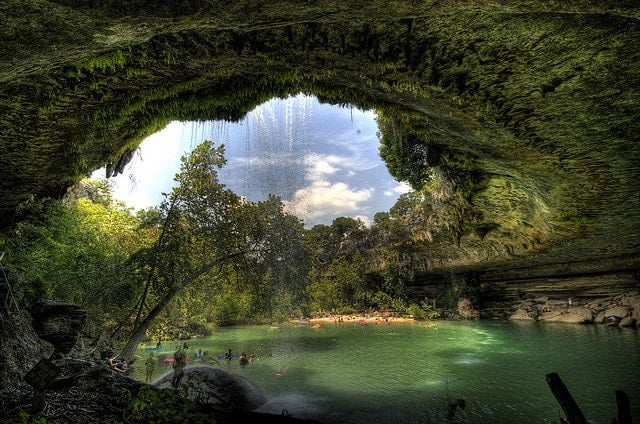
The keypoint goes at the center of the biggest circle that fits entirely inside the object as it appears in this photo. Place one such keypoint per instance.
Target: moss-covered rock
(532, 106)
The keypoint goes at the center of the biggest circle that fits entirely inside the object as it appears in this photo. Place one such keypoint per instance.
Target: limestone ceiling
(540, 100)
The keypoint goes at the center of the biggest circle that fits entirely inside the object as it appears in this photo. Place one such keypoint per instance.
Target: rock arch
(537, 102)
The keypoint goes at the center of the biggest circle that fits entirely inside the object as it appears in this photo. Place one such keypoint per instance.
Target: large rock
(583, 312)
(466, 310)
(87, 393)
(20, 348)
(618, 312)
(215, 386)
(566, 317)
(59, 324)
(627, 322)
(522, 315)
(630, 299)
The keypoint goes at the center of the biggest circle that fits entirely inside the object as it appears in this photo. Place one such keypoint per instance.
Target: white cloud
(324, 158)
(364, 219)
(400, 188)
(319, 166)
(322, 198)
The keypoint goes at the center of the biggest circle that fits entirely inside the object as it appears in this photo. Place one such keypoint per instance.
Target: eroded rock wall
(536, 99)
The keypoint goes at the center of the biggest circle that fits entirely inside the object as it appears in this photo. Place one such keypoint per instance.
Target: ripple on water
(298, 405)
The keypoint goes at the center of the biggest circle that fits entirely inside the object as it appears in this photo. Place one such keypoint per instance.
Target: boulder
(599, 304)
(521, 315)
(630, 299)
(87, 393)
(59, 324)
(20, 348)
(584, 312)
(566, 317)
(466, 310)
(617, 311)
(600, 318)
(627, 322)
(211, 385)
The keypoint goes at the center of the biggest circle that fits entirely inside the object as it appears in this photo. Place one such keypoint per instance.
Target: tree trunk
(564, 398)
(129, 351)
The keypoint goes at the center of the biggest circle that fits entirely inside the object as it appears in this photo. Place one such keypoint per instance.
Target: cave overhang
(538, 101)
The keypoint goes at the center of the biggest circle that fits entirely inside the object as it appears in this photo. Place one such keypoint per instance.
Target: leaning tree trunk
(129, 351)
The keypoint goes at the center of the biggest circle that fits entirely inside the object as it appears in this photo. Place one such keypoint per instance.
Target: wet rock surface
(86, 391)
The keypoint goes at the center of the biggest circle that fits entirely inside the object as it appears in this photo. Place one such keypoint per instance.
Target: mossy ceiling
(540, 99)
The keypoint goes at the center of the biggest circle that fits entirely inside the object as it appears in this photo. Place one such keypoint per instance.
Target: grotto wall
(538, 101)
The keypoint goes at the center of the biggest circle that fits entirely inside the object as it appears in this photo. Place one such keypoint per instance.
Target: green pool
(409, 373)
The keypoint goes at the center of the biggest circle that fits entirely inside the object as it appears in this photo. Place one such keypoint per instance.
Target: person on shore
(149, 367)
(122, 366)
(114, 364)
(179, 362)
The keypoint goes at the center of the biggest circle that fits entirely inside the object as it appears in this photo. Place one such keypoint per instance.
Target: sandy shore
(355, 319)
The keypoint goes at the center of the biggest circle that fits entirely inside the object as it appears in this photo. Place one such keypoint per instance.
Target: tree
(199, 233)
(280, 264)
(76, 251)
(207, 227)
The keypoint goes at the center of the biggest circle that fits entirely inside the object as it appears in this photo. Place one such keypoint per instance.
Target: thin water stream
(409, 373)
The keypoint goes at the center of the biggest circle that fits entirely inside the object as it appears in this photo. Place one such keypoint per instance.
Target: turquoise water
(408, 373)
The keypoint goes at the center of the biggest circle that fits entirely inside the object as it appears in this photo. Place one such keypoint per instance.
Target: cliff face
(539, 102)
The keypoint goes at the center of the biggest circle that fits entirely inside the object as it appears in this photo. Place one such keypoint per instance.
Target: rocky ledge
(621, 310)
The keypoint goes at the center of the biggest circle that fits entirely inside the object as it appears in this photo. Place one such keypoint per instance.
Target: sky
(321, 160)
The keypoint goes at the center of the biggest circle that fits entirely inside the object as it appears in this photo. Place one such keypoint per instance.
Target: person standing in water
(149, 367)
(179, 362)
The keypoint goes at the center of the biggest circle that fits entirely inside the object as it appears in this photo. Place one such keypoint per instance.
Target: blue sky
(322, 160)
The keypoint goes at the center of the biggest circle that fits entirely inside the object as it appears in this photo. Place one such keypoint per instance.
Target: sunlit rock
(627, 322)
(617, 311)
(466, 309)
(521, 315)
(566, 317)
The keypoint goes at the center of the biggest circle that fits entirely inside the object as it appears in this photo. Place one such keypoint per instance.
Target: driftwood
(564, 398)
(624, 407)
(572, 410)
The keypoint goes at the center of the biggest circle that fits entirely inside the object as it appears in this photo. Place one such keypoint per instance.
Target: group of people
(118, 365)
(179, 363)
(243, 359)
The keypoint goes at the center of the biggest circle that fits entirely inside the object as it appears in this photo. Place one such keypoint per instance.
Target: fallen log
(624, 407)
(561, 393)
